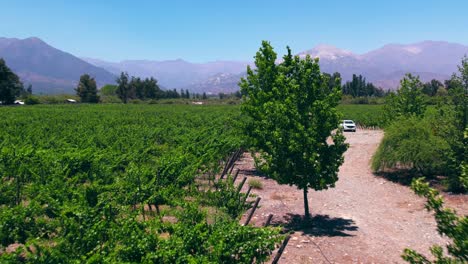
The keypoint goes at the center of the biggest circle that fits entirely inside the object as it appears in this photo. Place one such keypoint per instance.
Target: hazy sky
(201, 30)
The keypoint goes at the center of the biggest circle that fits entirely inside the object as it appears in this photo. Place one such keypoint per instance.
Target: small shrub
(411, 144)
(31, 100)
(136, 101)
(256, 184)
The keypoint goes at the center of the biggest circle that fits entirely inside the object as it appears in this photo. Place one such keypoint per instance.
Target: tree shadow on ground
(254, 173)
(403, 177)
(318, 225)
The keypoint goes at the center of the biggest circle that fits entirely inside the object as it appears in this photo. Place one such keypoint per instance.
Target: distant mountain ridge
(387, 65)
(384, 66)
(50, 70)
(173, 73)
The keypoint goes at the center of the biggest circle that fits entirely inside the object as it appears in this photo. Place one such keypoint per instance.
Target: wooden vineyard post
(246, 196)
(232, 162)
(225, 169)
(252, 211)
(268, 221)
(235, 176)
(241, 184)
(281, 249)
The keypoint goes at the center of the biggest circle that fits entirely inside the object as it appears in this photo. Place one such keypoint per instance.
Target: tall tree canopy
(431, 88)
(10, 84)
(123, 87)
(458, 180)
(359, 87)
(407, 101)
(87, 89)
(137, 88)
(290, 115)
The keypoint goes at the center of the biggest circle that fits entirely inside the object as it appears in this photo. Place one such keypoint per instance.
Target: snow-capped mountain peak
(324, 51)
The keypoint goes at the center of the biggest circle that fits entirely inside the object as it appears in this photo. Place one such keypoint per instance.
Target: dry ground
(365, 219)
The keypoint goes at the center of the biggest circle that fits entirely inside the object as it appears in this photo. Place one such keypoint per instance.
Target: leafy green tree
(458, 142)
(359, 87)
(109, 90)
(451, 83)
(204, 97)
(137, 88)
(290, 114)
(29, 89)
(449, 224)
(10, 84)
(123, 87)
(87, 89)
(407, 101)
(175, 94)
(152, 89)
(336, 77)
(431, 88)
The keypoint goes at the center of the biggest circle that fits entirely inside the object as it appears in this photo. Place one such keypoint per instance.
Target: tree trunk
(306, 204)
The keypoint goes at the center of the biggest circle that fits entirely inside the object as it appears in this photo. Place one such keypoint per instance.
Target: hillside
(176, 73)
(48, 69)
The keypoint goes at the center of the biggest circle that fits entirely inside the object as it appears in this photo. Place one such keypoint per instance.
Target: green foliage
(76, 179)
(32, 100)
(448, 224)
(137, 89)
(408, 100)
(87, 89)
(108, 90)
(411, 143)
(432, 88)
(457, 140)
(358, 87)
(123, 88)
(289, 113)
(434, 144)
(10, 85)
(363, 115)
(56, 99)
(348, 99)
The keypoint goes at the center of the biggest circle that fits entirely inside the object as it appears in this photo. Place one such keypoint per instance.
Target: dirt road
(365, 219)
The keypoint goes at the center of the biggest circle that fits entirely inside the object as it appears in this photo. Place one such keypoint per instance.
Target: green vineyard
(123, 183)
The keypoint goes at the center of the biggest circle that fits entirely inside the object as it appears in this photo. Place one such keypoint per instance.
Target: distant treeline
(359, 87)
(137, 88)
(131, 88)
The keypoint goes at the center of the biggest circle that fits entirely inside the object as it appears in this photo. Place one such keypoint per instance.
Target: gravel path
(365, 219)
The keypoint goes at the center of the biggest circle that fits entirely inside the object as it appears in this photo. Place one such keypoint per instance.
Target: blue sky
(201, 31)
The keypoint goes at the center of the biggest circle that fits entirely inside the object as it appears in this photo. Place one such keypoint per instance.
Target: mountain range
(50, 70)
(174, 73)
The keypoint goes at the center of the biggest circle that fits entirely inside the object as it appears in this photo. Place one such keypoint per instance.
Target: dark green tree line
(359, 87)
(87, 89)
(10, 84)
(129, 88)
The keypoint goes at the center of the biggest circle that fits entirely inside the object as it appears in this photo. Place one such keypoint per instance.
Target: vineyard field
(122, 183)
(363, 115)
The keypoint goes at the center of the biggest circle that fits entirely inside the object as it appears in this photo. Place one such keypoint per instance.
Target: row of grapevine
(113, 183)
(367, 116)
